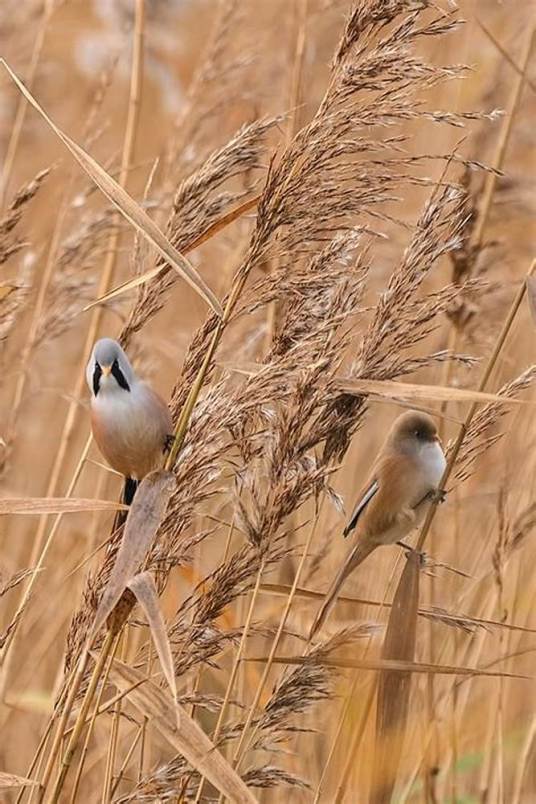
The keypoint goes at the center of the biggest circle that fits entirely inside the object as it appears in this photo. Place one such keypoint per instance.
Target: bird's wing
(364, 499)
(159, 412)
(399, 491)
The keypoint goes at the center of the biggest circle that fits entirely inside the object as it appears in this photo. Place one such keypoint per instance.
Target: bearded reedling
(403, 482)
(131, 423)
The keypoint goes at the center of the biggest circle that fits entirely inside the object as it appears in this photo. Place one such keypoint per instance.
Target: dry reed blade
(144, 588)
(8, 781)
(189, 740)
(531, 296)
(394, 688)
(144, 518)
(42, 544)
(211, 231)
(405, 390)
(55, 505)
(398, 666)
(433, 613)
(126, 205)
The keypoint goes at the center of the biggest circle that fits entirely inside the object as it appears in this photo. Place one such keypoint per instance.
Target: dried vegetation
(345, 188)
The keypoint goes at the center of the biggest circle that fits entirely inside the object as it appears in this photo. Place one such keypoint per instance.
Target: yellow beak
(106, 370)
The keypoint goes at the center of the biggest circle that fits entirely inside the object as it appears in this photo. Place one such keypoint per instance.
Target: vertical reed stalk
(244, 744)
(42, 545)
(234, 670)
(106, 649)
(91, 726)
(22, 104)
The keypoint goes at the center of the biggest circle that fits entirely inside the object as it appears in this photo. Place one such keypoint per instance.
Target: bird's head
(109, 370)
(414, 429)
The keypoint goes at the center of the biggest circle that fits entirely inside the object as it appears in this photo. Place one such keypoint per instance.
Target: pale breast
(130, 429)
(433, 463)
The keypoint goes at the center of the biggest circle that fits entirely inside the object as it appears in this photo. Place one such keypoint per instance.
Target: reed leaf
(144, 518)
(56, 505)
(406, 390)
(189, 740)
(393, 686)
(126, 205)
(144, 588)
(395, 665)
(8, 781)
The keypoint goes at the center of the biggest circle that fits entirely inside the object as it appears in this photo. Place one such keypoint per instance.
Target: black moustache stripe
(119, 376)
(97, 373)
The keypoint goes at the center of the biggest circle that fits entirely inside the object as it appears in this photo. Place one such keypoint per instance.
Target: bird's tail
(129, 490)
(355, 557)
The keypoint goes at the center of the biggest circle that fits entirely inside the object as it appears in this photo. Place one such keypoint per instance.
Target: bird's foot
(168, 442)
(437, 496)
(409, 549)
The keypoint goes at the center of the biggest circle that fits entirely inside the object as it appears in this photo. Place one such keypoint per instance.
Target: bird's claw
(411, 550)
(437, 496)
(168, 442)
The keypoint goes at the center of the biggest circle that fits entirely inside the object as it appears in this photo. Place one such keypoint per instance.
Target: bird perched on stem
(403, 482)
(131, 423)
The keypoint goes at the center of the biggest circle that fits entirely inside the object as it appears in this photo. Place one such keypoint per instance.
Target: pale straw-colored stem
(42, 544)
(91, 726)
(126, 760)
(246, 738)
(22, 105)
(66, 760)
(234, 670)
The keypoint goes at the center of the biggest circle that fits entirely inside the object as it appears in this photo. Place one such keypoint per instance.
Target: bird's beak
(106, 370)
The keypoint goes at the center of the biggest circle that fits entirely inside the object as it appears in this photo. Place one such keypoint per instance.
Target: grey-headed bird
(131, 423)
(404, 480)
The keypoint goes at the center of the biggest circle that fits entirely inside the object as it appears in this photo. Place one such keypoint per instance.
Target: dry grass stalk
(403, 620)
(188, 739)
(42, 545)
(394, 688)
(263, 451)
(18, 123)
(126, 205)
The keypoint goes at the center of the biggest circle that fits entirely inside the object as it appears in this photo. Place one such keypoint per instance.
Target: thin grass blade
(531, 296)
(144, 517)
(10, 781)
(190, 740)
(433, 613)
(396, 665)
(56, 505)
(394, 687)
(144, 588)
(141, 279)
(391, 389)
(126, 205)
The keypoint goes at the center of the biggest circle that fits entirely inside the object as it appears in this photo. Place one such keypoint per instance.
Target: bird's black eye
(419, 433)
(119, 376)
(97, 372)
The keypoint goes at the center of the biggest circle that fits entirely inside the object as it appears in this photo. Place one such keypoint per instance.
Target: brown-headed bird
(131, 423)
(403, 482)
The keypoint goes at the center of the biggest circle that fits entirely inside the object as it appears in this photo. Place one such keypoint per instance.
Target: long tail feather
(356, 556)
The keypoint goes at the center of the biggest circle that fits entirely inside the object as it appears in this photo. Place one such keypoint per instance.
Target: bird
(404, 480)
(131, 423)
